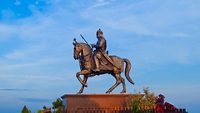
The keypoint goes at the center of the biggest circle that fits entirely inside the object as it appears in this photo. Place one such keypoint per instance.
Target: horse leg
(82, 72)
(124, 85)
(82, 88)
(118, 81)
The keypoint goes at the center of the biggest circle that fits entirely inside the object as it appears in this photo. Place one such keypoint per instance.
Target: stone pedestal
(98, 103)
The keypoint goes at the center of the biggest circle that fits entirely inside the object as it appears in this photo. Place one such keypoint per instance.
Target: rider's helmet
(99, 32)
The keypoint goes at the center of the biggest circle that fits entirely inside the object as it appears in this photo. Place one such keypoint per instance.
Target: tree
(25, 110)
(58, 106)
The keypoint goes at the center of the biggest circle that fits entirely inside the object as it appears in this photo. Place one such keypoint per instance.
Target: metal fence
(118, 110)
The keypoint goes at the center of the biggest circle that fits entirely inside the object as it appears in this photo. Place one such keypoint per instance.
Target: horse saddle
(107, 60)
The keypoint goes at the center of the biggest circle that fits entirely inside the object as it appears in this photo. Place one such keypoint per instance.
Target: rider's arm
(93, 45)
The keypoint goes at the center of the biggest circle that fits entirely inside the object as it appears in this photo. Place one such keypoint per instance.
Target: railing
(105, 110)
(119, 110)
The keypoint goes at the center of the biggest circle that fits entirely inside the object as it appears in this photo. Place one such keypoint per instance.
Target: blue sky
(161, 38)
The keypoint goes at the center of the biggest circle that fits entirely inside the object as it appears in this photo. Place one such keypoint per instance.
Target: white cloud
(7, 31)
(99, 3)
(144, 17)
(100, 0)
(25, 53)
(34, 81)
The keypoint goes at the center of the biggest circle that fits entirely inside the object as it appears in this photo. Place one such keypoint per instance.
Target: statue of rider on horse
(98, 62)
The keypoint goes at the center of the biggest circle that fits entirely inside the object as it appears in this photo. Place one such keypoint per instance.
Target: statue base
(101, 103)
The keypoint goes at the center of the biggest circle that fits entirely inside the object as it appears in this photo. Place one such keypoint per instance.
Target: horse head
(81, 49)
(77, 49)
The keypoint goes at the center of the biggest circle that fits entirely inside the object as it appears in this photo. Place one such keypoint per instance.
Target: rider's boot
(97, 65)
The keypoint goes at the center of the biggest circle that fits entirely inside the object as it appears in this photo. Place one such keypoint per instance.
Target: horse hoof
(123, 92)
(85, 85)
(108, 92)
(78, 93)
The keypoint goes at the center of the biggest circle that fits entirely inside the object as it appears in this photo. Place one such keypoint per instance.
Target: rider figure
(100, 49)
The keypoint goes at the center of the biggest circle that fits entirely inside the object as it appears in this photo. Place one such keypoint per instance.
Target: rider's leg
(96, 60)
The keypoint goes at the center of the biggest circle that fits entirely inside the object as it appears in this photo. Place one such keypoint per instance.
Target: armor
(101, 51)
(100, 48)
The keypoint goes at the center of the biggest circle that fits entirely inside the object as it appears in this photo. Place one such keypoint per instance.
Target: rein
(83, 57)
(86, 54)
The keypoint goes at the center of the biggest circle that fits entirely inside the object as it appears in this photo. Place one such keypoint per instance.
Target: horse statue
(84, 53)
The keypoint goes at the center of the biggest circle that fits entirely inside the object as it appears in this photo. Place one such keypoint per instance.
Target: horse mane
(85, 45)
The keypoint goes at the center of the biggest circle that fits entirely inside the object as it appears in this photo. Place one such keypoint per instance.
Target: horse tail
(127, 70)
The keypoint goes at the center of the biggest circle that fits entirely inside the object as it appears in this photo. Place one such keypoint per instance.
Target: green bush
(144, 104)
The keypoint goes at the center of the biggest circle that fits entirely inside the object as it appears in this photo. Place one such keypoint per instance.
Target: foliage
(39, 111)
(57, 103)
(149, 98)
(58, 106)
(136, 107)
(25, 110)
(143, 103)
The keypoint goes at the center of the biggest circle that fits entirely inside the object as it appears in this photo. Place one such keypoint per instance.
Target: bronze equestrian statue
(99, 62)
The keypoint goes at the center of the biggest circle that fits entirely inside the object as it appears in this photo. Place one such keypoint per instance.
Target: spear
(84, 40)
